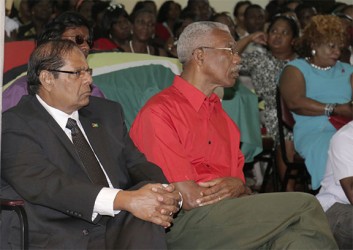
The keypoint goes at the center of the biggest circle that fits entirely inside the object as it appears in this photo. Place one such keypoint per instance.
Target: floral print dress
(264, 70)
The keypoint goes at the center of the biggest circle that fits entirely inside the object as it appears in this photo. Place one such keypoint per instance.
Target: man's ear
(46, 78)
(199, 56)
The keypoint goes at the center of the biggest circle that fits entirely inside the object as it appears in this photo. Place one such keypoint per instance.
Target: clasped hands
(210, 192)
(156, 203)
(221, 188)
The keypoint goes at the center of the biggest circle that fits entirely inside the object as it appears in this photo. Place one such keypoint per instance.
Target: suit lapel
(58, 132)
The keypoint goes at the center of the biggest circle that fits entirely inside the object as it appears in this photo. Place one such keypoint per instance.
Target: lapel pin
(95, 125)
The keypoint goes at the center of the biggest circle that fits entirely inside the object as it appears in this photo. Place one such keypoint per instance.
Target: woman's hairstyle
(136, 13)
(111, 15)
(217, 15)
(69, 19)
(145, 4)
(322, 29)
(163, 12)
(194, 36)
(290, 20)
(239, 5)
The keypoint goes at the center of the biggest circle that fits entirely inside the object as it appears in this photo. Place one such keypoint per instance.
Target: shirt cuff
(104, 204)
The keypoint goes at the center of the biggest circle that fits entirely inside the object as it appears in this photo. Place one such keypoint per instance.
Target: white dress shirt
(339, 166)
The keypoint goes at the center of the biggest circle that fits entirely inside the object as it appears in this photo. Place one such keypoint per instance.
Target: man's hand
(191, 192)
(153, 202)
(221, 188)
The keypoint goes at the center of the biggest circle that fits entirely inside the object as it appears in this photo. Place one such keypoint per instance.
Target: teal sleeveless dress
(312, 134)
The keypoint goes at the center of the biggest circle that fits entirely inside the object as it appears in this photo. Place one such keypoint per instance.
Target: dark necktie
(86, 154)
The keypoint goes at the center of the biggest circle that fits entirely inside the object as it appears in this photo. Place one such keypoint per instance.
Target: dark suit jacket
(40, 165)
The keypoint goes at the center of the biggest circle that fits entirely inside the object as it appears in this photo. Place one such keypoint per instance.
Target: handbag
(339, 121)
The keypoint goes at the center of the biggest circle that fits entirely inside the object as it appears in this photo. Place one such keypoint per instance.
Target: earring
(313, 52)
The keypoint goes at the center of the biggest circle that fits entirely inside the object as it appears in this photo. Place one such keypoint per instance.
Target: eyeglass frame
(232, 51)
(77, 73)
(79, 40)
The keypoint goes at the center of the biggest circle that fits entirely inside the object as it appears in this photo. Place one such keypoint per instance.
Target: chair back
(17, 53)
(131, 79)
(285, 121)
(296, 168)
(286, 115)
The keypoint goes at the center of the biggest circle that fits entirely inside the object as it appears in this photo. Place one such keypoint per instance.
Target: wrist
(121, 200)
(180, 202)
(330, 108)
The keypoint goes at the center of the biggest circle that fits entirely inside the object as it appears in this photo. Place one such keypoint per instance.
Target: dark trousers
(265, 221)
(340, 218)
(125, 231)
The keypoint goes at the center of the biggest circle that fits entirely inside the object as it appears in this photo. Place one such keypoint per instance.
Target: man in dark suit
(66, 207)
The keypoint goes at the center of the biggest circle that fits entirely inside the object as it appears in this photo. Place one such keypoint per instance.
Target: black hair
(301, 7)
(48, 55)
(163, 11)
(111, 16)
(97, 8)
(290, 20)
(252, 7)
(135, 13)
(239, 5)
(69, 19)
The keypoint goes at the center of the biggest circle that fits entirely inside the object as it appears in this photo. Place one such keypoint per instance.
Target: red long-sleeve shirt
(188, 135)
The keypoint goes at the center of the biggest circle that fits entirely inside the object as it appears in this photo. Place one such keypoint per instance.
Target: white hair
(194, 36)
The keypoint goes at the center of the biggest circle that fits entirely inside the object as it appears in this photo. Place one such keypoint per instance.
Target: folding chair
(18, 207)
(296, 168)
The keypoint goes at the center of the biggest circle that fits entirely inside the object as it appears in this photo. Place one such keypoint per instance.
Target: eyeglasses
(233, 51)
(78, 73)
(79, 40)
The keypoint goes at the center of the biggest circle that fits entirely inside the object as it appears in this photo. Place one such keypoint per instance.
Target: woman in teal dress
(315, 87)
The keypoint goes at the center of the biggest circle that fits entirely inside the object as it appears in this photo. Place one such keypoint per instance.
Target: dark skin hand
(347, 186)
(211, 192)
(222, 188)
(153, 202)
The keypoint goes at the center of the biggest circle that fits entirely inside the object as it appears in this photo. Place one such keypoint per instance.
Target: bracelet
(329, 108)
(180, 203)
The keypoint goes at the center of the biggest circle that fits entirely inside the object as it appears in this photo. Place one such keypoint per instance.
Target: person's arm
(153, 202)
(256, 37)
(155, 136)
(33, 164)
(347, 186)
(222, 188)
(292, 88)
(27, 165)
(340, 158)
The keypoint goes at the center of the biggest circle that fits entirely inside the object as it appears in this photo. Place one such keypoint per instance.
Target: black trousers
(125, 231)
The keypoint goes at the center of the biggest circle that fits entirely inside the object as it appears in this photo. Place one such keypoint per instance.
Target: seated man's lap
(239, 219)
(340, 217)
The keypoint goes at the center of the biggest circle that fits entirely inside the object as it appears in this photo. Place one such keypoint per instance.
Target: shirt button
(209, 142)
(85, 232)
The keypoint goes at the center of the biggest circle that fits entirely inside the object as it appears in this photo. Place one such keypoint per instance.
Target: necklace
(317, 67)
(133, 51)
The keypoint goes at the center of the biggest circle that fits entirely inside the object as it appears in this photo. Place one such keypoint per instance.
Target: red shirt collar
(192, 94)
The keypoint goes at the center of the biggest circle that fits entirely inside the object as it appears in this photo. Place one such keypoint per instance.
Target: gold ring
(170, 213)
(219, 198)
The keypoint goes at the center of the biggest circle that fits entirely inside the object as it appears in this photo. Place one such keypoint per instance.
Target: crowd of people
(302, 49)
(148, 29)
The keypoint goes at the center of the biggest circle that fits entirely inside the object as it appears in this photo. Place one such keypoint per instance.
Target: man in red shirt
(185, 131)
